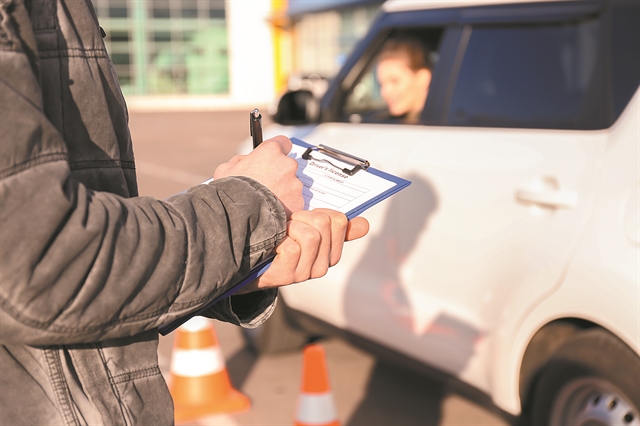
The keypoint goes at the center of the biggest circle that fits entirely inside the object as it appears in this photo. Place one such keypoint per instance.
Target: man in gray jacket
(89, 270)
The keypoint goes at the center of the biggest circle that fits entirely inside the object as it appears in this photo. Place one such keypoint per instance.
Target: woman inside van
(404, 74)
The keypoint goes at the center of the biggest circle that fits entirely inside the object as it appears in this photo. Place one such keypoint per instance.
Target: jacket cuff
(275, 206)
(248, 310)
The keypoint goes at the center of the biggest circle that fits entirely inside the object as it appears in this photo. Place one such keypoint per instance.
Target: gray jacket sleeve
(79, 265)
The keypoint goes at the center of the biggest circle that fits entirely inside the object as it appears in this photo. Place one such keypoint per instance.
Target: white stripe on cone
(316, 408)
(196, 324)
(196, 362)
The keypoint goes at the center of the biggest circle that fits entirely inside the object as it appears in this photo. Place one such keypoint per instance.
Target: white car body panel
(602, 284)
(515, 255)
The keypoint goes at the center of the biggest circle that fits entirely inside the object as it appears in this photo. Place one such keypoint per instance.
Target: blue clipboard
(359, 166)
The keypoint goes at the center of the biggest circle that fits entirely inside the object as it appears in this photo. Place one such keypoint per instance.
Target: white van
(512, 261)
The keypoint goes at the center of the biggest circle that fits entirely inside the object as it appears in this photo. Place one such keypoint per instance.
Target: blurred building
(235, 51)
(167, 46)
(326, 31)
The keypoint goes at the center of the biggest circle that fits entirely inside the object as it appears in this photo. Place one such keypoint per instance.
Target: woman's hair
(407, 47)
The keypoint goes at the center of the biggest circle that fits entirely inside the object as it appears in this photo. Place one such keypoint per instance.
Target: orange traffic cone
(315, 403)
(199, 382)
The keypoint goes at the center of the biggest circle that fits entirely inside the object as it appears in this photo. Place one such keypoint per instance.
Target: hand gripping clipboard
(333, 179)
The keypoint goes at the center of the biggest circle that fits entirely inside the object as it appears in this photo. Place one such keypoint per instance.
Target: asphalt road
(177, 150)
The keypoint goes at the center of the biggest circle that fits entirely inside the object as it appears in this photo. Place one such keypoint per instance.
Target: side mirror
(297, 107)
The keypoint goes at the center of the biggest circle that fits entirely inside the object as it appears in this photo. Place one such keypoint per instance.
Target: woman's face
(403, 89)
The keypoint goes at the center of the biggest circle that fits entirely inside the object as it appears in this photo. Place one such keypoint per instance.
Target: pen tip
(256, 113)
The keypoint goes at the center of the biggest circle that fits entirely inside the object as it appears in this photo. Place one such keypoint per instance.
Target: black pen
(255, 126)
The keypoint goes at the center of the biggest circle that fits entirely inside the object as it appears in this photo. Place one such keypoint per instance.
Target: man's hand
(313, 244)
(269, 165)
(314, 238)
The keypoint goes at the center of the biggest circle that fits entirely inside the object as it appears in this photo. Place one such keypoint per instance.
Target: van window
(625, 45)
(392, 88)
(537, 76)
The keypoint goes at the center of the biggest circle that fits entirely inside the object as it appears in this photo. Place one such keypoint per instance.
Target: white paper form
(327, 186)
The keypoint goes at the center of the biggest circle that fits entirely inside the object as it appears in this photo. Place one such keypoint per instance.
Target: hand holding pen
(314, 238)
(269, 165)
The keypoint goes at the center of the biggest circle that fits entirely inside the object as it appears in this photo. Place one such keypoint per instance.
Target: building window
(119, 36)
(167, 46)
(216, 9)
(121, 58)
(118, 9)
(189, 9)
(161, 36)
(160, 9)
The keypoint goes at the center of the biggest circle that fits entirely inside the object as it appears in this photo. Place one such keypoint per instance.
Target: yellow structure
(282, 44)
(313, 38)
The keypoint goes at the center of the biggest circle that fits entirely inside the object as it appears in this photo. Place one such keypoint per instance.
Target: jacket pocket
(144, 397)
(132, 365)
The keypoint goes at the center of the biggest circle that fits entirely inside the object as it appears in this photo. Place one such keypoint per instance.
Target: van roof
(402, 5)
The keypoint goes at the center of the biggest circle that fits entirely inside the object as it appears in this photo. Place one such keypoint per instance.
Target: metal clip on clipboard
(356, 162)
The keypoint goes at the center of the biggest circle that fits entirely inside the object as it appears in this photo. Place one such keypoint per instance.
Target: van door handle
(549, 198)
